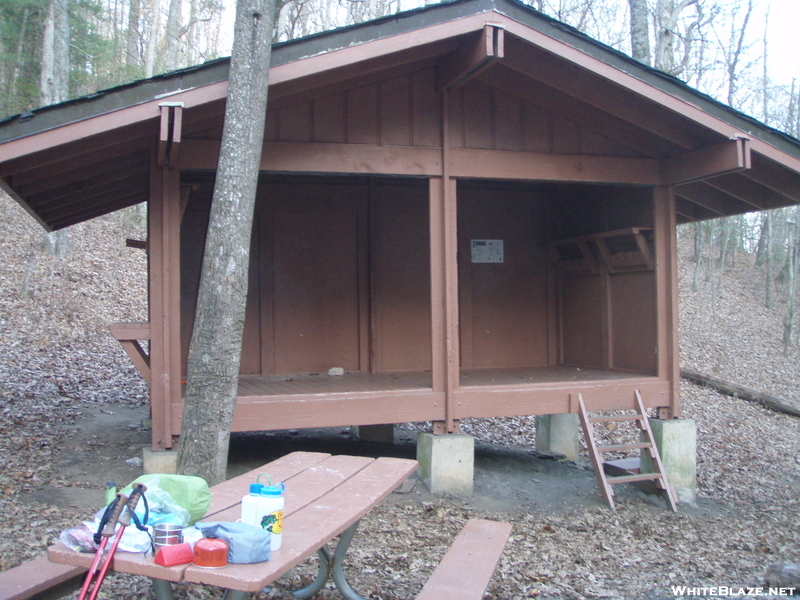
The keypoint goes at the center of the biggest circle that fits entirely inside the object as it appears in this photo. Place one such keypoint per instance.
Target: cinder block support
(676, 440)
(559, 434)
(447, 463)
(159, 461)
(382, 434)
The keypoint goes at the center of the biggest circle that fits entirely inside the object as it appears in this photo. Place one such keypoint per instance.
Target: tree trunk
(666, 19)
(172, 34)
(768, 242)
(54, 79)
(791, 304)
(216, 346)
(152, 41)
(735, 55)
(640, 34)
(698, 253)
(739, 391)
(132, 52)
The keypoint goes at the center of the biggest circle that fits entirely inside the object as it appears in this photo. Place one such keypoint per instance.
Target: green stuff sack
(187, 491)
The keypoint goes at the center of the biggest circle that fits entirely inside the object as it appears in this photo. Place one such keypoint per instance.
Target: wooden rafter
(104, 174)
(474, 55)
(78, 216)
(85, 176)
(757, 196)
(717, 202)
(105, 188)
(61, 160)
(691, 211)
(772, 176)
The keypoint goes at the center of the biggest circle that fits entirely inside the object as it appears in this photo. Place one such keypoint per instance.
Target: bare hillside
(726, 329)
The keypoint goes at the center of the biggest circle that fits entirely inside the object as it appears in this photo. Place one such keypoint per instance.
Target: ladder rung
(617, 447)
(637, 477)
(616, 418)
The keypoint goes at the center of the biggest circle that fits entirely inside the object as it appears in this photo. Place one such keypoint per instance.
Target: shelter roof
(89, 156)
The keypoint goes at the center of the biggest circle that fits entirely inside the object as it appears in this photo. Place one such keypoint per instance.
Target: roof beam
(709, 161)
(538, 166)
(474, 55)
(324, 157)
(401, 160)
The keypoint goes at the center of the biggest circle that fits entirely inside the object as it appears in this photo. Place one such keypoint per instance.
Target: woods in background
(54, 50)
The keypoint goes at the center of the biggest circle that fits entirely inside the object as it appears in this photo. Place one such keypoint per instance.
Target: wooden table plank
(313, 526)
(318, 480)
(305, 487)
(229, 493)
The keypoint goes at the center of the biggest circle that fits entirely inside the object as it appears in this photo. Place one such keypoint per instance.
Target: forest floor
(73, 416)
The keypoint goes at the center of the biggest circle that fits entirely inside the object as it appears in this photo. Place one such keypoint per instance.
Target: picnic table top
(325, 494)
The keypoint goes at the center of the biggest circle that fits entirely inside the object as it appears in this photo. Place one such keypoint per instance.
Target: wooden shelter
(470, 208)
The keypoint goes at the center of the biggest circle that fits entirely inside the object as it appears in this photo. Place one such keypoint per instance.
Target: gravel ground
(57, 361)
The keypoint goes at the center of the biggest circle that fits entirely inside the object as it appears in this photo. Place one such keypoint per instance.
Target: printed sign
(487, 251)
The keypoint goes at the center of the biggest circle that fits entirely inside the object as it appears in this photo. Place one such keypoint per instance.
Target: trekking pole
(104, 531)
(124, 520)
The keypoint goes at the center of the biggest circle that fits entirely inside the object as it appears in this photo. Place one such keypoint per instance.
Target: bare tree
(54, 81)
(132, 50)
(152, 40)
(793, 270)
(669, 14)
(216, 346)
(172, 35)
(640, 32)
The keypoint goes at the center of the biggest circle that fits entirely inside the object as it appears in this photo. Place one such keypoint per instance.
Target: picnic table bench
(326, 496)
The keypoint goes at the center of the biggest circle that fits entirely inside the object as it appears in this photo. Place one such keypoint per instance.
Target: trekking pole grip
(133, 501)
(111, 524)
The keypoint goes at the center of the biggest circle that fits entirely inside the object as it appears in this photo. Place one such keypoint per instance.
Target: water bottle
(263, 507)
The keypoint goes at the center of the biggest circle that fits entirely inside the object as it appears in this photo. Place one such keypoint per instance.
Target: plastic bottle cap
(271, 490)
(256, 488)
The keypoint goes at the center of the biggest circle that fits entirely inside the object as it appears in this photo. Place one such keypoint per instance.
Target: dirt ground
(105, 445)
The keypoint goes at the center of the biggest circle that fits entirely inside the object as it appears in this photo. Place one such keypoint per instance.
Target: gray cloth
(246, 543)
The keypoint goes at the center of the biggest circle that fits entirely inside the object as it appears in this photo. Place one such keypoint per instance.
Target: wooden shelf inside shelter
(622, 250)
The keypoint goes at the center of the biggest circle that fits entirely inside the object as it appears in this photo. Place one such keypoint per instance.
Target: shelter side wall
(338, 276)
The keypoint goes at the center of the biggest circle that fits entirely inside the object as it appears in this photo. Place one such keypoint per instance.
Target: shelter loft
(470, 207)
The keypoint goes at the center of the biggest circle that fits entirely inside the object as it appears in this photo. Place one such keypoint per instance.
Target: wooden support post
(666, 243)
(444, 281)
(164, 281)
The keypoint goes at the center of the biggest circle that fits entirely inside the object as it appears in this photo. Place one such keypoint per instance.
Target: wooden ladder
(658, 476)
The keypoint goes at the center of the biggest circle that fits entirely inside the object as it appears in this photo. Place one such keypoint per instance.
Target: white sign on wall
(487, 251)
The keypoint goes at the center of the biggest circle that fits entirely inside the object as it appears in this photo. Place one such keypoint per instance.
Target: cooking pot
(211, 553)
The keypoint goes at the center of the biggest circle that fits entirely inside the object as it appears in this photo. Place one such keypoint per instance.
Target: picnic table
(326, 496)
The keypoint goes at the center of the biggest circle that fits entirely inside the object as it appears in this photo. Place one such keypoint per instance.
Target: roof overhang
(83, 158)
